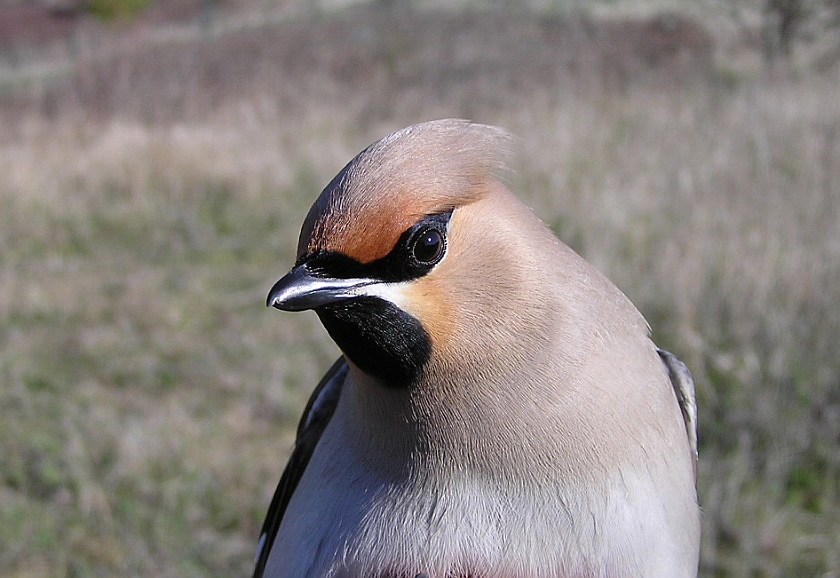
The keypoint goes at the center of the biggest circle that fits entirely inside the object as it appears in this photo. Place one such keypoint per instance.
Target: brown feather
(418, 171)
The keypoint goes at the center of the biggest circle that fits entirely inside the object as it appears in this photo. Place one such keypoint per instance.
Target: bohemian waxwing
(500, 410)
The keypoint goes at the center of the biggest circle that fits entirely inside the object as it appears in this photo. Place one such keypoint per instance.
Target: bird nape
(499, 409)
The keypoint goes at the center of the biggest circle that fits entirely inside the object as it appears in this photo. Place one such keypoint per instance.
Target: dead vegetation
(150, 193)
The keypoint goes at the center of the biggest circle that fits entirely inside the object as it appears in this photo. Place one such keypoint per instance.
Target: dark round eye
(428, 247)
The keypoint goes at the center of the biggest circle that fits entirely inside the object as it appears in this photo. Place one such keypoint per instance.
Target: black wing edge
(683, 385)
(319, 410)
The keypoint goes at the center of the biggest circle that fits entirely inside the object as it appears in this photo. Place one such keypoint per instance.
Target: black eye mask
(417, 251)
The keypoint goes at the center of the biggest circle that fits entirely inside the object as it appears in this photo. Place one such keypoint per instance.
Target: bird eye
(428, 247)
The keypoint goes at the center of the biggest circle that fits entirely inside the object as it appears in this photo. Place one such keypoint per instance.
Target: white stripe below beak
(299, 290)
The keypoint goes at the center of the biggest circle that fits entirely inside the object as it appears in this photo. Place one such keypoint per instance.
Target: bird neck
(446, 427)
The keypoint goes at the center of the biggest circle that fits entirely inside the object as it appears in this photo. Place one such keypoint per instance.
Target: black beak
(300, 289)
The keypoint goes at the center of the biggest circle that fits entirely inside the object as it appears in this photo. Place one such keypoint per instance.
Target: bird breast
(365, 521)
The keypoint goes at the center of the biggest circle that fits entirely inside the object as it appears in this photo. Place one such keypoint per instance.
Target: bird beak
(300, 289)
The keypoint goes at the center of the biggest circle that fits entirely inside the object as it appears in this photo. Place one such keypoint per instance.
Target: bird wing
(683, 385)
(312, 424)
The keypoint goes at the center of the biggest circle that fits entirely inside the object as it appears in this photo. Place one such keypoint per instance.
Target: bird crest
(418, 171)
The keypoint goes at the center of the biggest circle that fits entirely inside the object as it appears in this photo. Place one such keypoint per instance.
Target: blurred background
(158, 157)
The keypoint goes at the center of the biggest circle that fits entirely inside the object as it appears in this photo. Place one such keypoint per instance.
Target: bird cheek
(427, 301)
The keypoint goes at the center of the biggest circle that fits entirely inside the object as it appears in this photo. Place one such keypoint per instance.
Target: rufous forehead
(421, 170)
(367, 233)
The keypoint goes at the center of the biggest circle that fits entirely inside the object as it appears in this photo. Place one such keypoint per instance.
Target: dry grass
(149, 198)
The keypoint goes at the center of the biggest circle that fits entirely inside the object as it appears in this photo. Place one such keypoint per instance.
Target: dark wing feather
(315, 418)
(683, 385)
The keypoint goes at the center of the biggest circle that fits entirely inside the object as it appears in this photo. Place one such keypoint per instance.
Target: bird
(499, 409)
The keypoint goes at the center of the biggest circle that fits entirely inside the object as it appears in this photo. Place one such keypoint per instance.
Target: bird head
(415, 247)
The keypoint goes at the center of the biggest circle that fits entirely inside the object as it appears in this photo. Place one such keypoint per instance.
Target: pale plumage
(501, 412)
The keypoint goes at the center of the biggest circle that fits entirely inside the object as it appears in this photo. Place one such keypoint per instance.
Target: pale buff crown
(421, 170)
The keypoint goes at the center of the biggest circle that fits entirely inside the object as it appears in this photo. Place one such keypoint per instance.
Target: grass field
(151, 192)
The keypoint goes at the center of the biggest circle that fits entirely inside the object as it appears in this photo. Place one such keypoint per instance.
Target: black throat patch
(378, 337)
